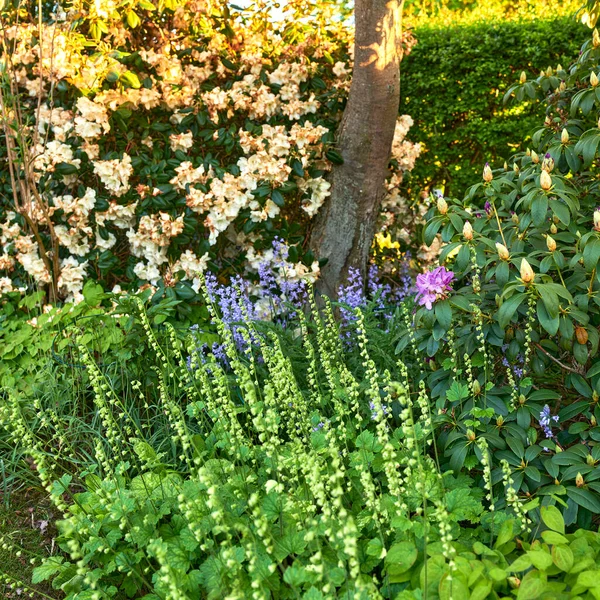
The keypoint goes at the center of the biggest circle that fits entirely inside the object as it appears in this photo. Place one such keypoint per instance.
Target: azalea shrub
(509, 322)
(149, 141)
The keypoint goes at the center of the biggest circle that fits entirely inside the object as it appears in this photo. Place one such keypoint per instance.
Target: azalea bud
(553, 228)
(522, 398)
(597, 220)
(442, 206)
(470, 435)
(516, 168)
(534, 157)
(515, 218)
(595, 396)
(562, 86)
(503, 253)
(549, 72)
(500, 421)
(593, 79)
(559, 67)
(550, 243)
(593, 421)
(527, 274)
(505, 166)
(579, 481)
(564, 137)
(487, 173)
(467, 231)
(589, 459)
(581, 334)
(545, 180)
(528, 152)
(595, 38)
(523, 77)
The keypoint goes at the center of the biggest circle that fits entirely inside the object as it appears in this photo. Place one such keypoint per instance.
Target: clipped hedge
(453, 83)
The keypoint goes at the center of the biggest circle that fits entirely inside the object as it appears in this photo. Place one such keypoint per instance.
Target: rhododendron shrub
(149, 141)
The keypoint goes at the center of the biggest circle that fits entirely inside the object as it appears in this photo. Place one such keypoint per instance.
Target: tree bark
(345, 226)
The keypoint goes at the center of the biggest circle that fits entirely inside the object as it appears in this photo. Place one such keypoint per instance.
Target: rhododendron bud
(487, 173)
(589, 459)
(528, 152)
(595, 38)
(562, 87)
(523, 77)
(548, 163)
(559, 67)
(476, 388)
(468, 231)
(545, 180)
(550, 243)
(553, 228)
(471, 435)
(442, 206)
(502, 250)
(515, 218)
(593, 79)
(581, 334)
(579, 481)
(597, 220)
(534, 157)
(564, 137)
(516, 168)
(549, 72)
(526, 272)
(505, 166)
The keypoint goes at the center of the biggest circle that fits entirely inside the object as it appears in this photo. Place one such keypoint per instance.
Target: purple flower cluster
(375, 412)
(433, 286)
(517, 370)
(546, 421)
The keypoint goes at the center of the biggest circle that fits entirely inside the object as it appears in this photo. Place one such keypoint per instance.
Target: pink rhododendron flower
(433, 286)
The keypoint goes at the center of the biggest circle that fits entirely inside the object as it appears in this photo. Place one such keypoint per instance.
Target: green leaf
(506, 533)
(400, 557)
(131, 79)
(92, 293)
(547, 321)
(539, 208)
(584, 498)
(278, 198)
(591, 254)
(562, 556)
(508, 309)
(553, 518)
(443, 313)
(532, 586)
(50, 567)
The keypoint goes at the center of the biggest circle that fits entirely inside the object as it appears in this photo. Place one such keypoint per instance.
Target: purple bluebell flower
(546, 421)
(433, 286)
(375, 412)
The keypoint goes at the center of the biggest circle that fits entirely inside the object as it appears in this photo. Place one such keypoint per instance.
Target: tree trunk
(345, 226)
